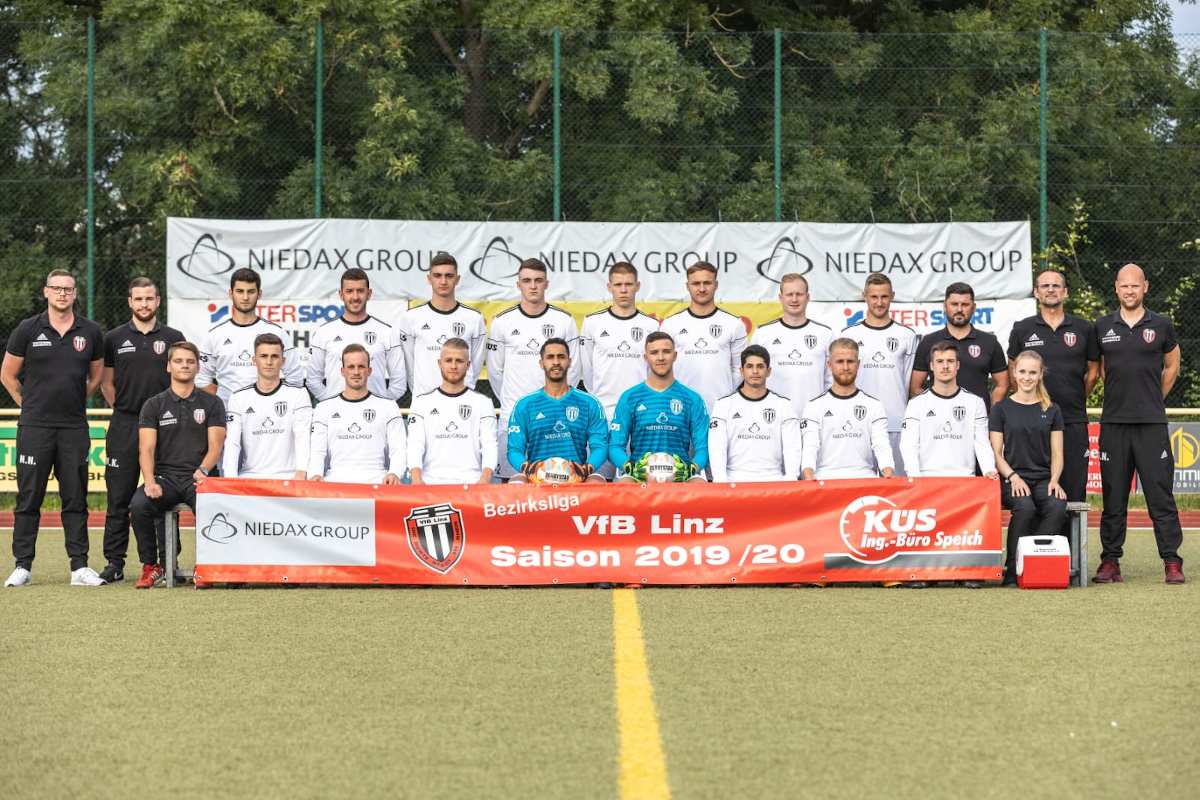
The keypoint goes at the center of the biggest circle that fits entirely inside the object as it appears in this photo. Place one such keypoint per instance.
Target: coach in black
(1139, 359)
(51, 367)
(135, 369)
(979, 352)
(1071, 355)
(180, 435)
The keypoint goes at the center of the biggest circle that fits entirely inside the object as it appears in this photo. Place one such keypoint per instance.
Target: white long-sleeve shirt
(945, 436)
(389, 377)
(267, 434)
(357, 441)
(424, 330)
(846, 437)
(754, 440)
(452, 437)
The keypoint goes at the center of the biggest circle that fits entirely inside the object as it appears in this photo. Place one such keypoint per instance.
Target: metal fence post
(1042, 145)
(91, 167)
(557, 125)
(778, 125)
(320, 118)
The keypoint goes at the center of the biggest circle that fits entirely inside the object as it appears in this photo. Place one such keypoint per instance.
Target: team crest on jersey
(370, 337)
(160, 346)
(974, 350)
(464, 411)
(860, 413)
(960, 413)
(715, 330)
(572, 413)
(81, 342)
(436, 535)
(369, 414)
(676, 406)
(768, 415)
(1147, 334)
(280, 408)
(458, 329)
(548, 331)
(636, 334)
(1069, 339)
(893, 344)
(810, 341)
(199, 416)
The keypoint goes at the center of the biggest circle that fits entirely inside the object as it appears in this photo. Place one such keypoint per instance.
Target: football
(660, 468)
(556, 470)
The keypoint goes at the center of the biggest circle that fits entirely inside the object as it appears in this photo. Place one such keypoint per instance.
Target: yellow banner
(97, 429)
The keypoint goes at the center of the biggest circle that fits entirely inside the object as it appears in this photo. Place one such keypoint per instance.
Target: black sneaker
(113, 573)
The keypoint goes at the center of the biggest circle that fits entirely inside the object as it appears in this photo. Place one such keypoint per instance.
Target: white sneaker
(86, 576)
(19, 577)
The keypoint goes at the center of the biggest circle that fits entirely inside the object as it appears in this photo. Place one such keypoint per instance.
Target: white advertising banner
(285, 532)
(303, 258)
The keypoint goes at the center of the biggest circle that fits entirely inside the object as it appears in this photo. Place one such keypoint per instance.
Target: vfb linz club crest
(369, 336)
(636, 334)
(715, 331)
(860, 413)
(960, 413)
(810, 342)
(369, 414)
(464, 411)
(768, 415)
(458, 328)
(280, 408)
(436, 536)
(1069, 339)
(548, 331)
(893, 344)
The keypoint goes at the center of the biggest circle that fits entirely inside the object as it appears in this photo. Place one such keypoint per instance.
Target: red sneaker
(1109, 572)
(1174, 572)
(152, 574)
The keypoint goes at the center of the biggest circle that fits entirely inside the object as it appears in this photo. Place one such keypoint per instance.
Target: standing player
(452, 430)
(1139, 359)
(1071, 353)
(180, 435)
(710, 341)
(135, 369)
(799, 346)
(357, 437)
(887, 349)
(514, 346)
(557, 422)
(611, 344)
(663, 420)
(425, 328)
(268, 422)
(51, 367)
(845, 430)
(754, 434)
(227, 350)
(355, 326)
(979, 352)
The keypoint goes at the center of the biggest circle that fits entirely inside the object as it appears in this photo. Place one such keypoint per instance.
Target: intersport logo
(206, 262)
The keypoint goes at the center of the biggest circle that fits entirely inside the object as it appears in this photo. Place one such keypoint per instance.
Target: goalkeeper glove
(529, 469)
(636, 470)
(582, 471)
(684, 471)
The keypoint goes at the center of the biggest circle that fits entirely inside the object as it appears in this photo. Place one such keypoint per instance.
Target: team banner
(303, 258)
(495, 534)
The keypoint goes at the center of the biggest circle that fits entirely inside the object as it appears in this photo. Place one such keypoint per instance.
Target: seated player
(357, 437)
(451, 430)
(267, 424)
(845, 430)
(661, 419)
(557, 434)
(754, 434)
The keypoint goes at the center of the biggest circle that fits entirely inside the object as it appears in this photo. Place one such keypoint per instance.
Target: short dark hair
(554, 340)
(191, 348)
(443, 259)
(245, 275)
(960, 288)
(141, 282)
(354, 274)
(355, 348)
(269, 339)
(658, 336)
(622, 268)
(534, 264)
(756, 350)
(945, 344)
(701, 266)
(877, 279)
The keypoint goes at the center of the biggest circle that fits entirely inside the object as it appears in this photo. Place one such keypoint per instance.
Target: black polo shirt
(55, 373)
(1065, 351)
(1026, 430)
(979, 355)
(1133, 365)
(139, 362)
(182, 424)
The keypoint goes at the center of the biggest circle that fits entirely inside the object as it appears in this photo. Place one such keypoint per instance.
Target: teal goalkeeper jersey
(572, 427)
(671, 421)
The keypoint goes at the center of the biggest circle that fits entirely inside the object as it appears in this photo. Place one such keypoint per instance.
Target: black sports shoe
(113, 573)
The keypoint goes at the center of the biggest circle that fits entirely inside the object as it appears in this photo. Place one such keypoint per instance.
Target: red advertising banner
(694, 533)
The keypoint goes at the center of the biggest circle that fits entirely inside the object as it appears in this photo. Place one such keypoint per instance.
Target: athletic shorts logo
(1069, 339)
(79, 343)
(860, 413)
(280, 408)
(199, 416)
(893, 344)
(715, 331)
(370, 337)
(458, 329)
(960, 413)
(636, 334)
(676, 406)
(572, 413)
(436, 536)
(464, 411)
(974, 350)
(768, 415)
(548, 331)
(160, 346)
(810, 341)
(369, 414)
(1147, 334)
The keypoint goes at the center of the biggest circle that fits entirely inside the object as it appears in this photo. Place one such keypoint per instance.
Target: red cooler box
(1043, 562)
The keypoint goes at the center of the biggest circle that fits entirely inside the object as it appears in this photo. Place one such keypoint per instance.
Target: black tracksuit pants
(144, 511)
(1125, 447)
(121, 475)
(65, 450)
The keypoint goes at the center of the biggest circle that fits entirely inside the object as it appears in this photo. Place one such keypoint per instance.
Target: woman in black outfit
(1027, 438)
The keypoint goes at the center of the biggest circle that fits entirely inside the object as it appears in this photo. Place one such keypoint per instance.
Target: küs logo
(875, 529)
(207, 262)
(498, 265)
(784, 260)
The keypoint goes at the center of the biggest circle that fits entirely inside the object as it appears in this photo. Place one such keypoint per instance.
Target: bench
(171, 570)
(1077, 516)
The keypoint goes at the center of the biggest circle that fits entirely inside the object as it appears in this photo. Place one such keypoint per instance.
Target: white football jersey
(451, 437)
(388, 377)
(845, 437)
(357, 441)
(754, 440)
(799, 359)
(886, 355)
(266, 435)
(226, 352)
(423, 331)
(943, 436)
(613, 353)
(710, 352)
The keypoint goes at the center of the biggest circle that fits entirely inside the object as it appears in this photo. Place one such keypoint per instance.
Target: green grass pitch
(760, 692)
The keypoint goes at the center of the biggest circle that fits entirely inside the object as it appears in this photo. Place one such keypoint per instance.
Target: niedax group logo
(206, 262)
(498, 265)
(220, 530)
(784, 260)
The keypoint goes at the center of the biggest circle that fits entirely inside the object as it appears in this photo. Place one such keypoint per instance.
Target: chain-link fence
(1091, 137)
